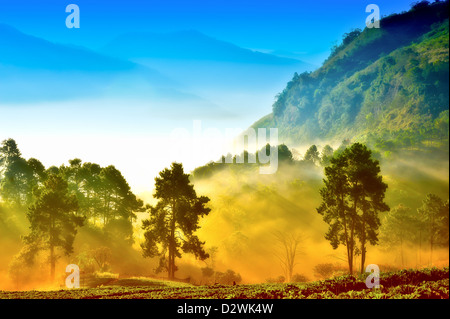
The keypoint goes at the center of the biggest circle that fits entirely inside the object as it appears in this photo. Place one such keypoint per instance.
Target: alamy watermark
(373, 280)
(73, 279)
(209, 141)
(373, 20)
(73, 19)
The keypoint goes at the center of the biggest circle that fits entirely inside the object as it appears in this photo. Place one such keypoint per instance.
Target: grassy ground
(430, 283)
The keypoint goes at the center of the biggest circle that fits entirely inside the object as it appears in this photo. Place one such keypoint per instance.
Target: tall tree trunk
(352, 246)
(347, 242)
(363, 248)
(52, 263)
(172, 245)
(171, 254)
(352, 235)
(52, 250)
(350, 254)
(363, 259)
(350, 259)
(350, 265)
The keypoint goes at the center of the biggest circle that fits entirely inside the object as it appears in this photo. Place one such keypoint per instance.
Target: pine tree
(174, 220)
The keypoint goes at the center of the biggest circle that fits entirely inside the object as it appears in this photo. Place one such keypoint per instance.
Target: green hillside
(386, 86)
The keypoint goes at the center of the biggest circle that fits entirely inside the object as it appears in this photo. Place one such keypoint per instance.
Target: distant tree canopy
(285, 157)
(103, 195)
(312, 155)
(326, 155)
(18, 177)
(400, 227)
(347, 38)
(352, 197)
(228, 278)
(420, 5)
(403, 226)
(434, 214)
(173, 221)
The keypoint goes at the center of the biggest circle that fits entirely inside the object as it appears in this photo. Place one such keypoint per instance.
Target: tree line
(426, 228)
(57, 201)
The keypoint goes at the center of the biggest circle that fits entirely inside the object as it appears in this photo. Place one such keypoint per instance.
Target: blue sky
(306, 27)
(55, 132)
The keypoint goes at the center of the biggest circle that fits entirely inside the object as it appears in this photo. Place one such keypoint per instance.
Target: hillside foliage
(386, 85)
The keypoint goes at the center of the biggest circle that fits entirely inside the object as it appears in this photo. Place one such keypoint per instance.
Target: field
(429, 283)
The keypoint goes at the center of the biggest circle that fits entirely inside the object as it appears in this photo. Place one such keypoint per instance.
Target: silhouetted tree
(53, 219)
(351, 199)
(18, 177)
(103, 193)
(174, 219)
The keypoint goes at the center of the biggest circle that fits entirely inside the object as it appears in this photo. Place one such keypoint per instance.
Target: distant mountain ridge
(187, 45)
(187, 65)
(378, 82)
(33, 69)
(25, 51)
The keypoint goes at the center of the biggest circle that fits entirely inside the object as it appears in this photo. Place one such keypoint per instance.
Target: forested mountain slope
(386, 85)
